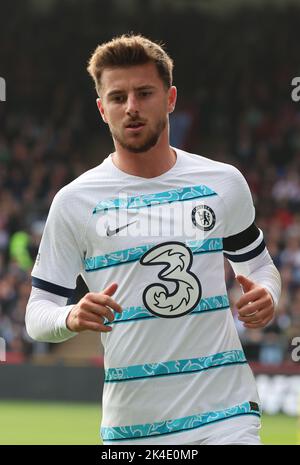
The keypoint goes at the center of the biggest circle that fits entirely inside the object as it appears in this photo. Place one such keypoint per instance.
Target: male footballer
(148, 230)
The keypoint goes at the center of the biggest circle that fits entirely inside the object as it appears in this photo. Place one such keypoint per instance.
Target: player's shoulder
(81, 186)
(218, 168)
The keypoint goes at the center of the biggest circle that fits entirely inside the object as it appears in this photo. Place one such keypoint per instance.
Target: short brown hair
(130, 50)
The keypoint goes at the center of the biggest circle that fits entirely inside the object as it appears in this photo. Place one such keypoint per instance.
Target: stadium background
(234, 63)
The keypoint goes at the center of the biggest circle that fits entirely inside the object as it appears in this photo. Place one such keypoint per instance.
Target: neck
(150, 164)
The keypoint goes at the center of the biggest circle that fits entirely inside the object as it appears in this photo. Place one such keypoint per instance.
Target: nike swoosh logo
(111, 232)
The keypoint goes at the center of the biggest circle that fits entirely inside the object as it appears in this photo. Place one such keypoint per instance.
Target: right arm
(49, 319)
(59, 262)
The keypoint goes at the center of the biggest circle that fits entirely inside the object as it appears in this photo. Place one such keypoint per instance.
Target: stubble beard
(145, 145)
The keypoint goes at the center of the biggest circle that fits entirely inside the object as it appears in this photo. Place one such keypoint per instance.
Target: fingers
(111, 289)
(252, 307)
(97, 327)
(92, 309)
(245, 282)
(260, 315)
(100, 305)
(258, 319)
(251, 296)
(80, 320)
(259, 324)
(255, 316)
(104, 299)
(255, 308)
(99, 310)
(91, 321)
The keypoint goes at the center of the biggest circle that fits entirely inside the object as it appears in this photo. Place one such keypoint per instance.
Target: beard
(149, 141)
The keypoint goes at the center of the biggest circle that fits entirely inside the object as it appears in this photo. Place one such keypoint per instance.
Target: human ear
(101, 109)
(172, 97)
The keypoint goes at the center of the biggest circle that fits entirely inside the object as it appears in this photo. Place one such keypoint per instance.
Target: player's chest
(144, 221)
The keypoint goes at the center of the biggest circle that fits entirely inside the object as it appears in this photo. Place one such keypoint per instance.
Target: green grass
(49, 423)
(62, 423)
(280, 429)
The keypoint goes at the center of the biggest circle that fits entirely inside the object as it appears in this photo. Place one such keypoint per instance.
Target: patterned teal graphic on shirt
(148, 200)
(129, 255)
(174, 367)
(208, 245)
(177, 425)
(208, 304)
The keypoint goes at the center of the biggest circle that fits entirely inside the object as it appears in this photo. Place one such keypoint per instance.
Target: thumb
(246, 283)
(111, 289)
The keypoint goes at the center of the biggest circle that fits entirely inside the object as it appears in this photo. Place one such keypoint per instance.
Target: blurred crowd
(238, 110)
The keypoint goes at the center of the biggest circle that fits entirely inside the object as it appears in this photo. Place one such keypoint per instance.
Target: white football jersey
(173, 361)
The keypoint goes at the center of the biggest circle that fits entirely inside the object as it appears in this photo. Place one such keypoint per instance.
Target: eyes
(118, 99)
(121, 98)
(146, 93)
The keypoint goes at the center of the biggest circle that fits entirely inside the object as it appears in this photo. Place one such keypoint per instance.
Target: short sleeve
(239, 208)
(60, 256)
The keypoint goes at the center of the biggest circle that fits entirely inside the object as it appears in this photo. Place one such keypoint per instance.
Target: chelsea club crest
(203, 217)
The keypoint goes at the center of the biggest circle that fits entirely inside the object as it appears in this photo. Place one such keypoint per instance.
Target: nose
(132, 107)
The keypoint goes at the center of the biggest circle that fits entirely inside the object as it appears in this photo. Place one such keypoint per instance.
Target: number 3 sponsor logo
(178, 259)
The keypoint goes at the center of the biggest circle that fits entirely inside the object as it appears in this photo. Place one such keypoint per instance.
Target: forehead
(123, 79)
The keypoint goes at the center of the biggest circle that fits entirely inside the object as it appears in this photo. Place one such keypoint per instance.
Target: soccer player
(148, 230)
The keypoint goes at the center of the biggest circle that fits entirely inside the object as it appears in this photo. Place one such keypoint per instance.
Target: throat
(145, 165)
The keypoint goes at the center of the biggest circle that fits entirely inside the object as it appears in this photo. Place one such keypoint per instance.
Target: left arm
(261, 284)
(246, 251)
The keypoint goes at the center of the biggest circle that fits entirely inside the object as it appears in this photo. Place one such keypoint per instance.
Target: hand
(256, 306)
(91, 310)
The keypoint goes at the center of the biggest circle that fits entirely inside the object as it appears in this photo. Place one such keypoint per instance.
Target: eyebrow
(139, 88)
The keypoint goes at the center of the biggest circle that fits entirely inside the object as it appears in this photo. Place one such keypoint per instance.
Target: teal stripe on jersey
(130, 255)
(208, 245)
(148, 200)
(208, 304)
(178, 425)
(174, 367)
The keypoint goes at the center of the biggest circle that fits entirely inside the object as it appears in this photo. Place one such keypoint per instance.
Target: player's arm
(257, 275)
(246, 251)
(59, 262)
(92, 310)
(49, 319)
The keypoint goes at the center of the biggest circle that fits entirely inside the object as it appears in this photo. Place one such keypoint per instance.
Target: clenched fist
(256, 306)
(91, 310)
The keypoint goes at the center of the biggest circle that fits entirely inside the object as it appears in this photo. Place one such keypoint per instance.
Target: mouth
(134, 126)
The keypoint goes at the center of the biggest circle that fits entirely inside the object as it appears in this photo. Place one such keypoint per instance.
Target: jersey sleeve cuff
(61, 322)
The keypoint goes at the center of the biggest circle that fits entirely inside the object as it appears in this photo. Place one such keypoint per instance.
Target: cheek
(111, 117)
(116, 113)
(159, 110)
(114, 121)
(110, 112)
(163, 107)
